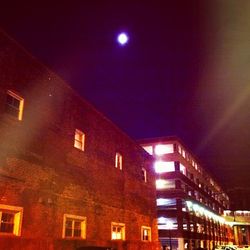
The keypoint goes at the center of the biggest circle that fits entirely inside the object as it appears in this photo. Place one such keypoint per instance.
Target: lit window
(183, 153)
(149, 149)
(145, 233)
(10, 220)
(118, 161)
(166, 202)
(74, 226)
(165, 184)
(179, 149)
(167, 223)
(164, 166)
(182, 169)
(199, 228)
(117, 231)
(162, 149)
(192, 226)
(185, 224)
(144, 174)
(79, 139)
(196, 166)
(14, 105)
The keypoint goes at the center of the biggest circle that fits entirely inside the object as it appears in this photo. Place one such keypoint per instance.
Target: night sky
(184, 72)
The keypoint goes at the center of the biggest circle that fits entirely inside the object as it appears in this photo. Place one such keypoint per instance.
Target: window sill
(74, 238)
(9, 235)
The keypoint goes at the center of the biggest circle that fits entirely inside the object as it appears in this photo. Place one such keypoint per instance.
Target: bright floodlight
(122, 38)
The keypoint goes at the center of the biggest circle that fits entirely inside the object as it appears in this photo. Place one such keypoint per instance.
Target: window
(183, 153)
(10, 220)
(167, 223)
(14, 105)
(149, 149)
(117, 231)
(185, 224)
(79, 139)
(145, 233)
(196, 166)
(165, 184)
(162, 149)
(182, 169)
(144, 174)
(166, 203)
(74, 226)
(118, 161)
(164, 166)
(179, 149)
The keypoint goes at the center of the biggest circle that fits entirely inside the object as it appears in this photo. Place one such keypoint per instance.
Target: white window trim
(118, 160)
(17, 218)
(21, 103)
(79, 132)
(123, 230)
(142, 231)
(83, 225)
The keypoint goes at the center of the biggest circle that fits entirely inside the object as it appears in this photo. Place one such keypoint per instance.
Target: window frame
(20, 99)
(83, 220)
(18, 216)
(80, 141)
(118, 160)
(148, 229)
(123, 228)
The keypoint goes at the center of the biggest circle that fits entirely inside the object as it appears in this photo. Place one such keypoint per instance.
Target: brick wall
(42, 172)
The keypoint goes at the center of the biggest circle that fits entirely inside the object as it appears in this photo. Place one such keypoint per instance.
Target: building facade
(190, 203)
(70, 179)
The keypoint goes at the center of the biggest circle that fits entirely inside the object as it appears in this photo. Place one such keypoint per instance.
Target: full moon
(122, 38)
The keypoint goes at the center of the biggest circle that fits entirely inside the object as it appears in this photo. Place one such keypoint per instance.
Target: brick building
(190, 202)
(70, 179)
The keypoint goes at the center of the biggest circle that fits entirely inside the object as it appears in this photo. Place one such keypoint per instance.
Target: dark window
(7, 222)
(14, 105)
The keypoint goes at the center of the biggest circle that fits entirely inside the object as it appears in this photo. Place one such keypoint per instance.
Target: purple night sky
(185, 70)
